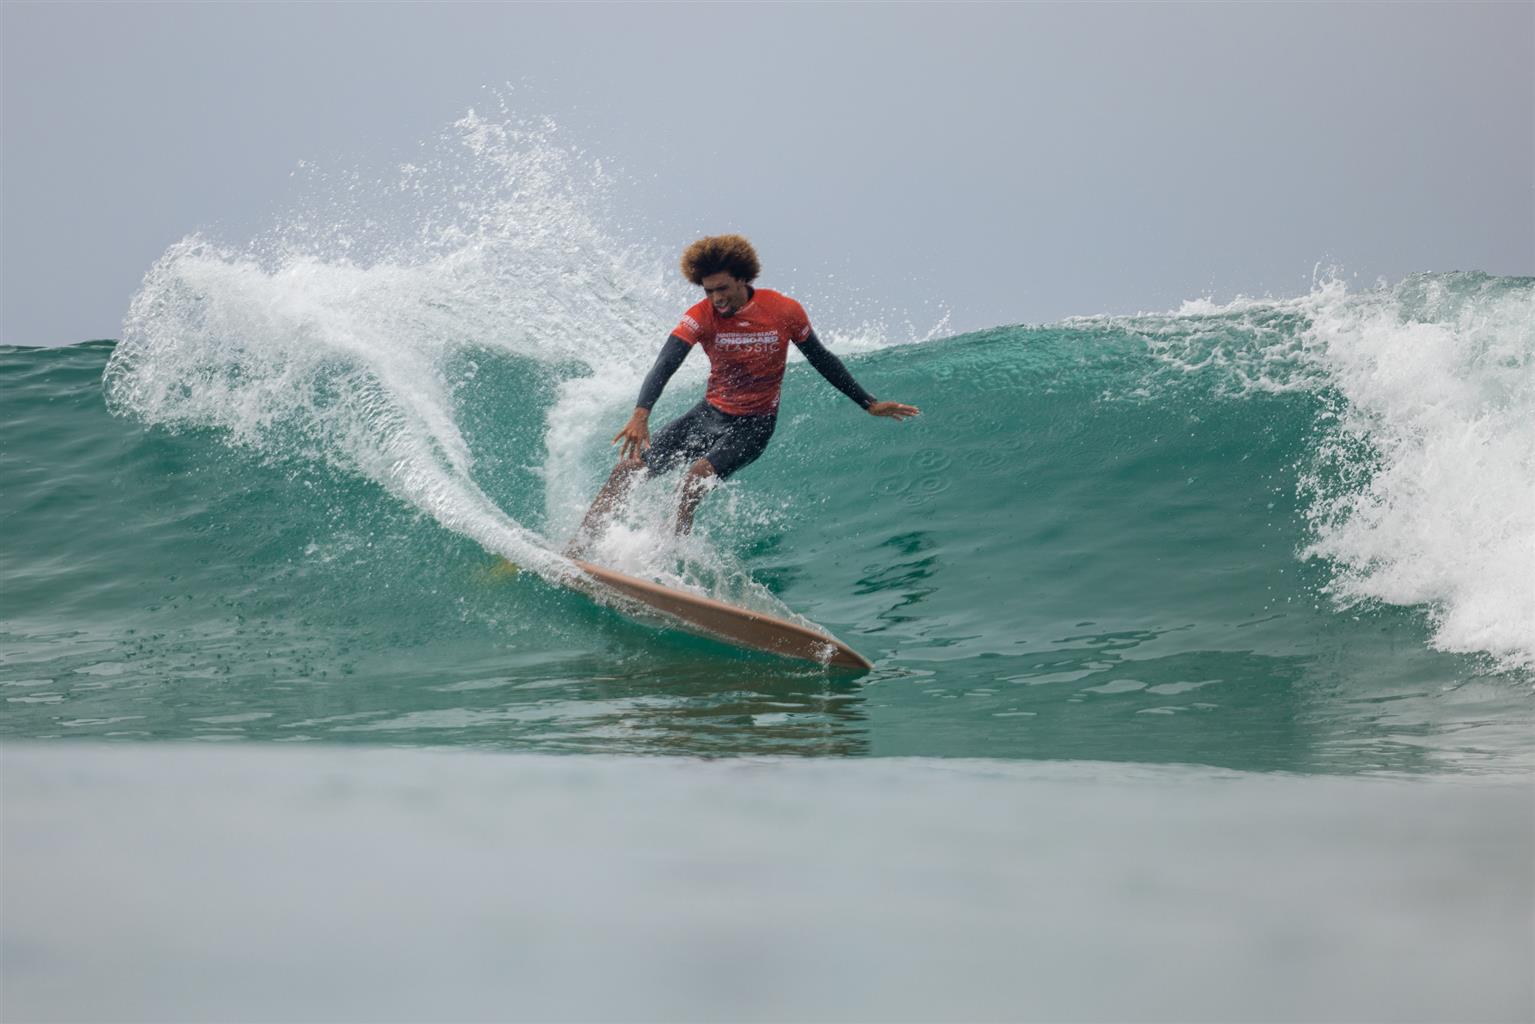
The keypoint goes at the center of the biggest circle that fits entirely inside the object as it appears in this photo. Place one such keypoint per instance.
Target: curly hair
(731, 253)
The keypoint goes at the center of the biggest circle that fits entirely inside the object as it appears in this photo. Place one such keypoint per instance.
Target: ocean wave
(359, 333)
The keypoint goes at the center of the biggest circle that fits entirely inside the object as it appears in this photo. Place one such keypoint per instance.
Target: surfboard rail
(741, 626)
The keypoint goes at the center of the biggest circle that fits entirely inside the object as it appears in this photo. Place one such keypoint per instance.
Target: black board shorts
(703, 432)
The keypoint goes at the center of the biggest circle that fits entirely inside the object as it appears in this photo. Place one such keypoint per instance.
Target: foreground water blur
(283, 883)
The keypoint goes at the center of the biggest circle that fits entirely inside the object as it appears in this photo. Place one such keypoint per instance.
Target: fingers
(634, 444)
(895, 410)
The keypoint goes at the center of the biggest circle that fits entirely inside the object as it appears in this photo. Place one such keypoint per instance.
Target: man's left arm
(832, 368)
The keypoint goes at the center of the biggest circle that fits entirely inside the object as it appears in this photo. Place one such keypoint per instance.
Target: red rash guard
(747, 350)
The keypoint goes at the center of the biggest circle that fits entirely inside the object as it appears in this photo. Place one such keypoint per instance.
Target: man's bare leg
(694, 486)
(608, 501)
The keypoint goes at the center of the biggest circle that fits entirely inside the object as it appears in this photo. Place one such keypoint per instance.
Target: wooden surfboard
(727, 622)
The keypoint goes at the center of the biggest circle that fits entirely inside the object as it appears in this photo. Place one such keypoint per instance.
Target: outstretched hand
(893, 410)
(635, 435)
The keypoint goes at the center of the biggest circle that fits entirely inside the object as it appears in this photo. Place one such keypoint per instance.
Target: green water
(1083, 550)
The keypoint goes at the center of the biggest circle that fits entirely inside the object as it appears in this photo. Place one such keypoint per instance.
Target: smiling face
(727, 293)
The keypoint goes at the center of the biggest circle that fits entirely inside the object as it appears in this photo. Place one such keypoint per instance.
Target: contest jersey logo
(749, 341)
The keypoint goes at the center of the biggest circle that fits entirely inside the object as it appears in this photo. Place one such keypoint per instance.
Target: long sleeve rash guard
(816, 354)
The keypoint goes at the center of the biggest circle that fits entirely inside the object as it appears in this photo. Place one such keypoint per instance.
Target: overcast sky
(1015, 163)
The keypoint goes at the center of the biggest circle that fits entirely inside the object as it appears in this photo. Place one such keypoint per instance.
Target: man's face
(727, 293)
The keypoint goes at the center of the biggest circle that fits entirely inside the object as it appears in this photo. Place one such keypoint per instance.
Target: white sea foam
(1423, 492)
(1439, 379)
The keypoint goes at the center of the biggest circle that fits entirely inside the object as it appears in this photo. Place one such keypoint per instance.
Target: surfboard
(726, 622)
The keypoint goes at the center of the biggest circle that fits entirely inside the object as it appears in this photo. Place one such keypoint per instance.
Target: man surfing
(746, 333)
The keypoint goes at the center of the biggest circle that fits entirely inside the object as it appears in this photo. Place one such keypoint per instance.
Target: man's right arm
(635, 435)
(672, 354)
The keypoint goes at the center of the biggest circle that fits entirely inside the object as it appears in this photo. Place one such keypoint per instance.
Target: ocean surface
(1282, 535)
(1266, 564)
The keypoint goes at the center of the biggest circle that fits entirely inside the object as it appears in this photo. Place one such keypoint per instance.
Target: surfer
(746, 333)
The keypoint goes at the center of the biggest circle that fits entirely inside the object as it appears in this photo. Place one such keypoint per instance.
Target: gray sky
(1011, 162)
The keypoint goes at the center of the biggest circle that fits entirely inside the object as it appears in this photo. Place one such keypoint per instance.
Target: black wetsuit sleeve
(830, 367)
(672, 354)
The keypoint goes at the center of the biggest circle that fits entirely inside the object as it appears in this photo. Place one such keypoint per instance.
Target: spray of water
(339, 336)
(333, 337)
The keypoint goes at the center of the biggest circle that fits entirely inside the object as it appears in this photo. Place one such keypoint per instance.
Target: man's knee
(699, 479)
